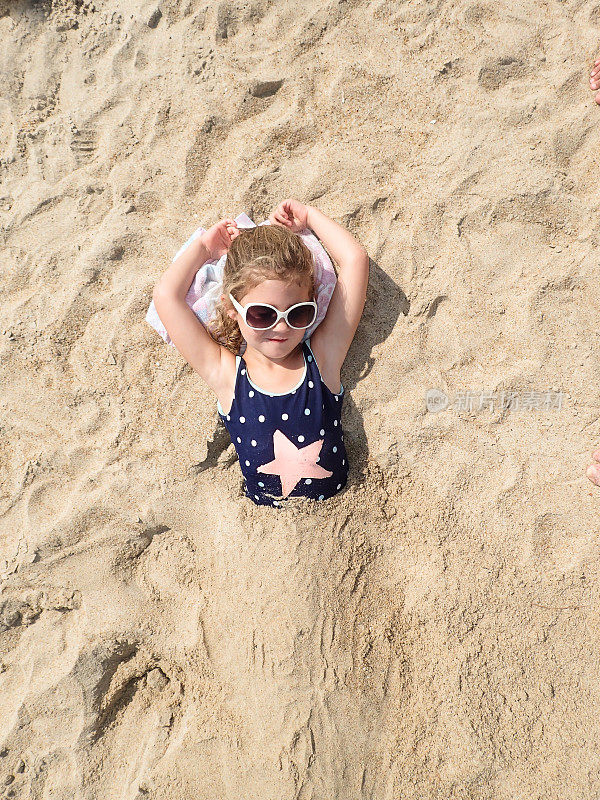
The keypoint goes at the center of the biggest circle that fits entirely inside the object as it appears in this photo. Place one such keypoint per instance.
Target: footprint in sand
(129, 704)
(84, 144)
(496, 73)
(558, 545)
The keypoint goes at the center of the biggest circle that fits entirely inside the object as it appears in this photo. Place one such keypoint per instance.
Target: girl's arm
(187, 333)
(213, 243)
(333, 336)
(341, 244)
(177, 278)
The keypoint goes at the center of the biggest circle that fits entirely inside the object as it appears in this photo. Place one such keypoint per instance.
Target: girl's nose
(281, 327)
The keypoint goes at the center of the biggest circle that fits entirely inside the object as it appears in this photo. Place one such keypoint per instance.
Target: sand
(434, 630)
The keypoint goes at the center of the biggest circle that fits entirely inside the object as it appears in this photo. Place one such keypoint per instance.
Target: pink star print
(292, 463)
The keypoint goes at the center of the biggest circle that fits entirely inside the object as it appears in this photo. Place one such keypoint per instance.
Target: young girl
(282, 401)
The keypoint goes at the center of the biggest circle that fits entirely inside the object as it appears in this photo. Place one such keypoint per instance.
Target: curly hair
(265, 252)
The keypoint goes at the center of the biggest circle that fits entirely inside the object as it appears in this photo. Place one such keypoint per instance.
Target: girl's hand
(218, 238)
(290, 214)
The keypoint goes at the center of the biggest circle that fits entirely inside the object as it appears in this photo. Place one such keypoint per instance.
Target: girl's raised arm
(333, 336)
(187, 333)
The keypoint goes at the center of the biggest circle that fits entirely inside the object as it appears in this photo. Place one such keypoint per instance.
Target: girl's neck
(258, 360)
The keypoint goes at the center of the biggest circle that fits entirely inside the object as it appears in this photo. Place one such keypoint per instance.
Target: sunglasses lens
(301, 316)
(259, 316)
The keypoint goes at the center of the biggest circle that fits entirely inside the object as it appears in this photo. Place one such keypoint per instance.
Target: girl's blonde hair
(265, 252)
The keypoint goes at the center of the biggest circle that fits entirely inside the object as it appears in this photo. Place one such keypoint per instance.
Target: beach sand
(434, 630)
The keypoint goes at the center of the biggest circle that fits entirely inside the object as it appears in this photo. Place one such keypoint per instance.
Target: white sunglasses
(262, 316)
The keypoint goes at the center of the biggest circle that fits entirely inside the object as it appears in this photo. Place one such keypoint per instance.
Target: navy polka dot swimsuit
(291, 444)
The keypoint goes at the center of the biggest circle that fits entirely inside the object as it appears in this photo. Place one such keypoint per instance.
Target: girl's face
(279, 341)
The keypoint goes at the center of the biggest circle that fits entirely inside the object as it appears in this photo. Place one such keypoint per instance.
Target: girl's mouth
(277, 340)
